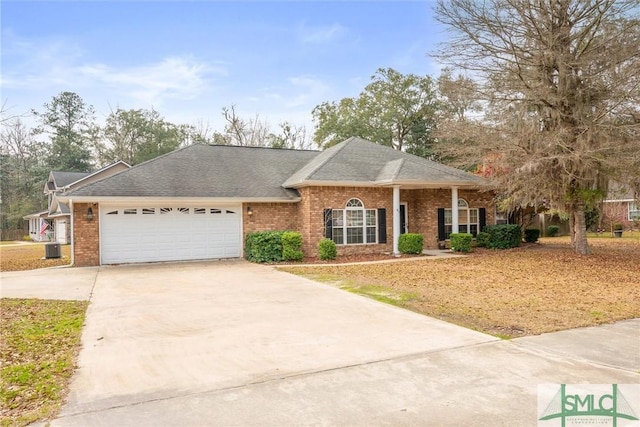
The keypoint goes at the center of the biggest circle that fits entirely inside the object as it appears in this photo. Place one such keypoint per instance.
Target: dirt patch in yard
(529, 290)
(18, 257)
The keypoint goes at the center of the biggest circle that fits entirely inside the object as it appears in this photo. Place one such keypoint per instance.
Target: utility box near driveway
(52, 250)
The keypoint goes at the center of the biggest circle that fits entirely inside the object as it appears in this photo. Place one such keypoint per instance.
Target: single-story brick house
(200, 201)
(621, 206)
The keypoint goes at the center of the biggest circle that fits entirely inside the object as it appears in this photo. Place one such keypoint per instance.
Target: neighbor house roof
(60, 180)
(244, 173)
(218, 171)
(63, 179)
(357, 162)
(619, 192)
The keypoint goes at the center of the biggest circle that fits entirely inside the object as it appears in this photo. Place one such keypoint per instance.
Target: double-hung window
(354, 224)
(468, 219)
(634, 211)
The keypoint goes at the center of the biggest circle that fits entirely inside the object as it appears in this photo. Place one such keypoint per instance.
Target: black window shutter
(328, 224)
(382, 225)
(441, 232)
(483, 219)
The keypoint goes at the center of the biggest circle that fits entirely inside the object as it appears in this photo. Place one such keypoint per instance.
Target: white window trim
(462, 206)
(633, 210)
(344, 227)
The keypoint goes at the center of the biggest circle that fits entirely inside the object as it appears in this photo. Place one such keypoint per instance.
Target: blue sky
(189, 59)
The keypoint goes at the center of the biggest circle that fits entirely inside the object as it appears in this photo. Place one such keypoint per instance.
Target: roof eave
(144, 200)
(389, 183)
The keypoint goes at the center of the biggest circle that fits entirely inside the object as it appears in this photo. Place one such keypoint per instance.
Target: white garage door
(156, 233)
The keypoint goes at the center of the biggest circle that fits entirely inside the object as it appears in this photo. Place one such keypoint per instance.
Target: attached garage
(169, 233)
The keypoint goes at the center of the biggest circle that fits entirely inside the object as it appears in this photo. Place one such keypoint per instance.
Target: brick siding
(86, 244)
(307, 217)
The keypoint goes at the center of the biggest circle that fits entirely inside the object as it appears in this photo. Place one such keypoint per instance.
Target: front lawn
(529, 290)
(39, 342)
(16, 257)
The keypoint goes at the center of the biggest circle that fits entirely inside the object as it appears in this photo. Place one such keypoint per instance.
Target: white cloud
(171, 78)
(55, 65)
(320, 34)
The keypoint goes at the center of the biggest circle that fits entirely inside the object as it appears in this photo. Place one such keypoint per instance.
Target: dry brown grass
(16, 257)
(524, 291)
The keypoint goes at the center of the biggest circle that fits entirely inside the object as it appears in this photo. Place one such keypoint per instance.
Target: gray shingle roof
(62, 179)
(357, 160)
(220, 171)
(207, 171)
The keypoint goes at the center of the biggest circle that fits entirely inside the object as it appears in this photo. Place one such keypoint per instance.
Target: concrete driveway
(231, 343)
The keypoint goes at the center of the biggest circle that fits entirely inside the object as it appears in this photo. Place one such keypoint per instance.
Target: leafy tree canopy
(395, 110)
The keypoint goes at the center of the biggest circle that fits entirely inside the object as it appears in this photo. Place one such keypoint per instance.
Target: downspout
(73, 233)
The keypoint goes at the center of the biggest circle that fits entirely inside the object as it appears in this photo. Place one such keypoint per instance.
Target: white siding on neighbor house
(130, 234)
(61, 230)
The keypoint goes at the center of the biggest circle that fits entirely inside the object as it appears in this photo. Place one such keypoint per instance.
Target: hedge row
(273, 246)
(410, 243)
(503, 236)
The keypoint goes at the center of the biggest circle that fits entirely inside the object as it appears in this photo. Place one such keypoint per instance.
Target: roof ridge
(261, 147)
(396, 168)
(337, 148)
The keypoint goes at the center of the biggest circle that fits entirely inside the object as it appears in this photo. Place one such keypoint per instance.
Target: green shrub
(411, 243)
(531, 235)
(327, 249)
(553, 230)
(504, 236)
(617, 226)
(482, 239)
(461, 242)
(263, 246)
(292, 246)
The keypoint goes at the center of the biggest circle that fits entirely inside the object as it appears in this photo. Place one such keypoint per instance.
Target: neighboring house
(200, 201)
(622, 206)
(54, 224)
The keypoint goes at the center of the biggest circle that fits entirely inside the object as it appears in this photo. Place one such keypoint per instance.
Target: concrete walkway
(232, 343)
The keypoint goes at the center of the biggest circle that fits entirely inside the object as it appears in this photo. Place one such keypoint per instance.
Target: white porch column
(396, 219)
(454, 210)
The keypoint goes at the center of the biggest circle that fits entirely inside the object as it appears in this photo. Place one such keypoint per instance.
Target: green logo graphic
(566, 405)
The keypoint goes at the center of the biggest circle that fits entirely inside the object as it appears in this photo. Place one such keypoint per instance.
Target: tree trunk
(572, 225)
(578, 227)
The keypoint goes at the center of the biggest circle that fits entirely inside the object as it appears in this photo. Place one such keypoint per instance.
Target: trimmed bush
(553, 230)
(482, 239)
(504, 236)
(292, 246)
(263, 246)
(461, 242)
(411, 243)
(327, 249)
(531, 235)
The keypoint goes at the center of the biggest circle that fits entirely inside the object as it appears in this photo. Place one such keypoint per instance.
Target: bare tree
(238, 131)
(561, 82)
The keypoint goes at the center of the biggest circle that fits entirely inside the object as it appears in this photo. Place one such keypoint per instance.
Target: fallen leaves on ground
(39, 341)
(524, 291)
(20, 257)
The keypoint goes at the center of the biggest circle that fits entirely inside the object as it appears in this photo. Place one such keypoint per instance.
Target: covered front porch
(436, 213)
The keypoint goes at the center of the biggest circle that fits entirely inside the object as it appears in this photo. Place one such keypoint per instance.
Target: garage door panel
(147, 234)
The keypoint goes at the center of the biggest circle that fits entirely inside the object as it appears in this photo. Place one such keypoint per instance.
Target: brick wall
(86, 236)
(422, 212)
(316, 199)
(270, 216)
(423, 204)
